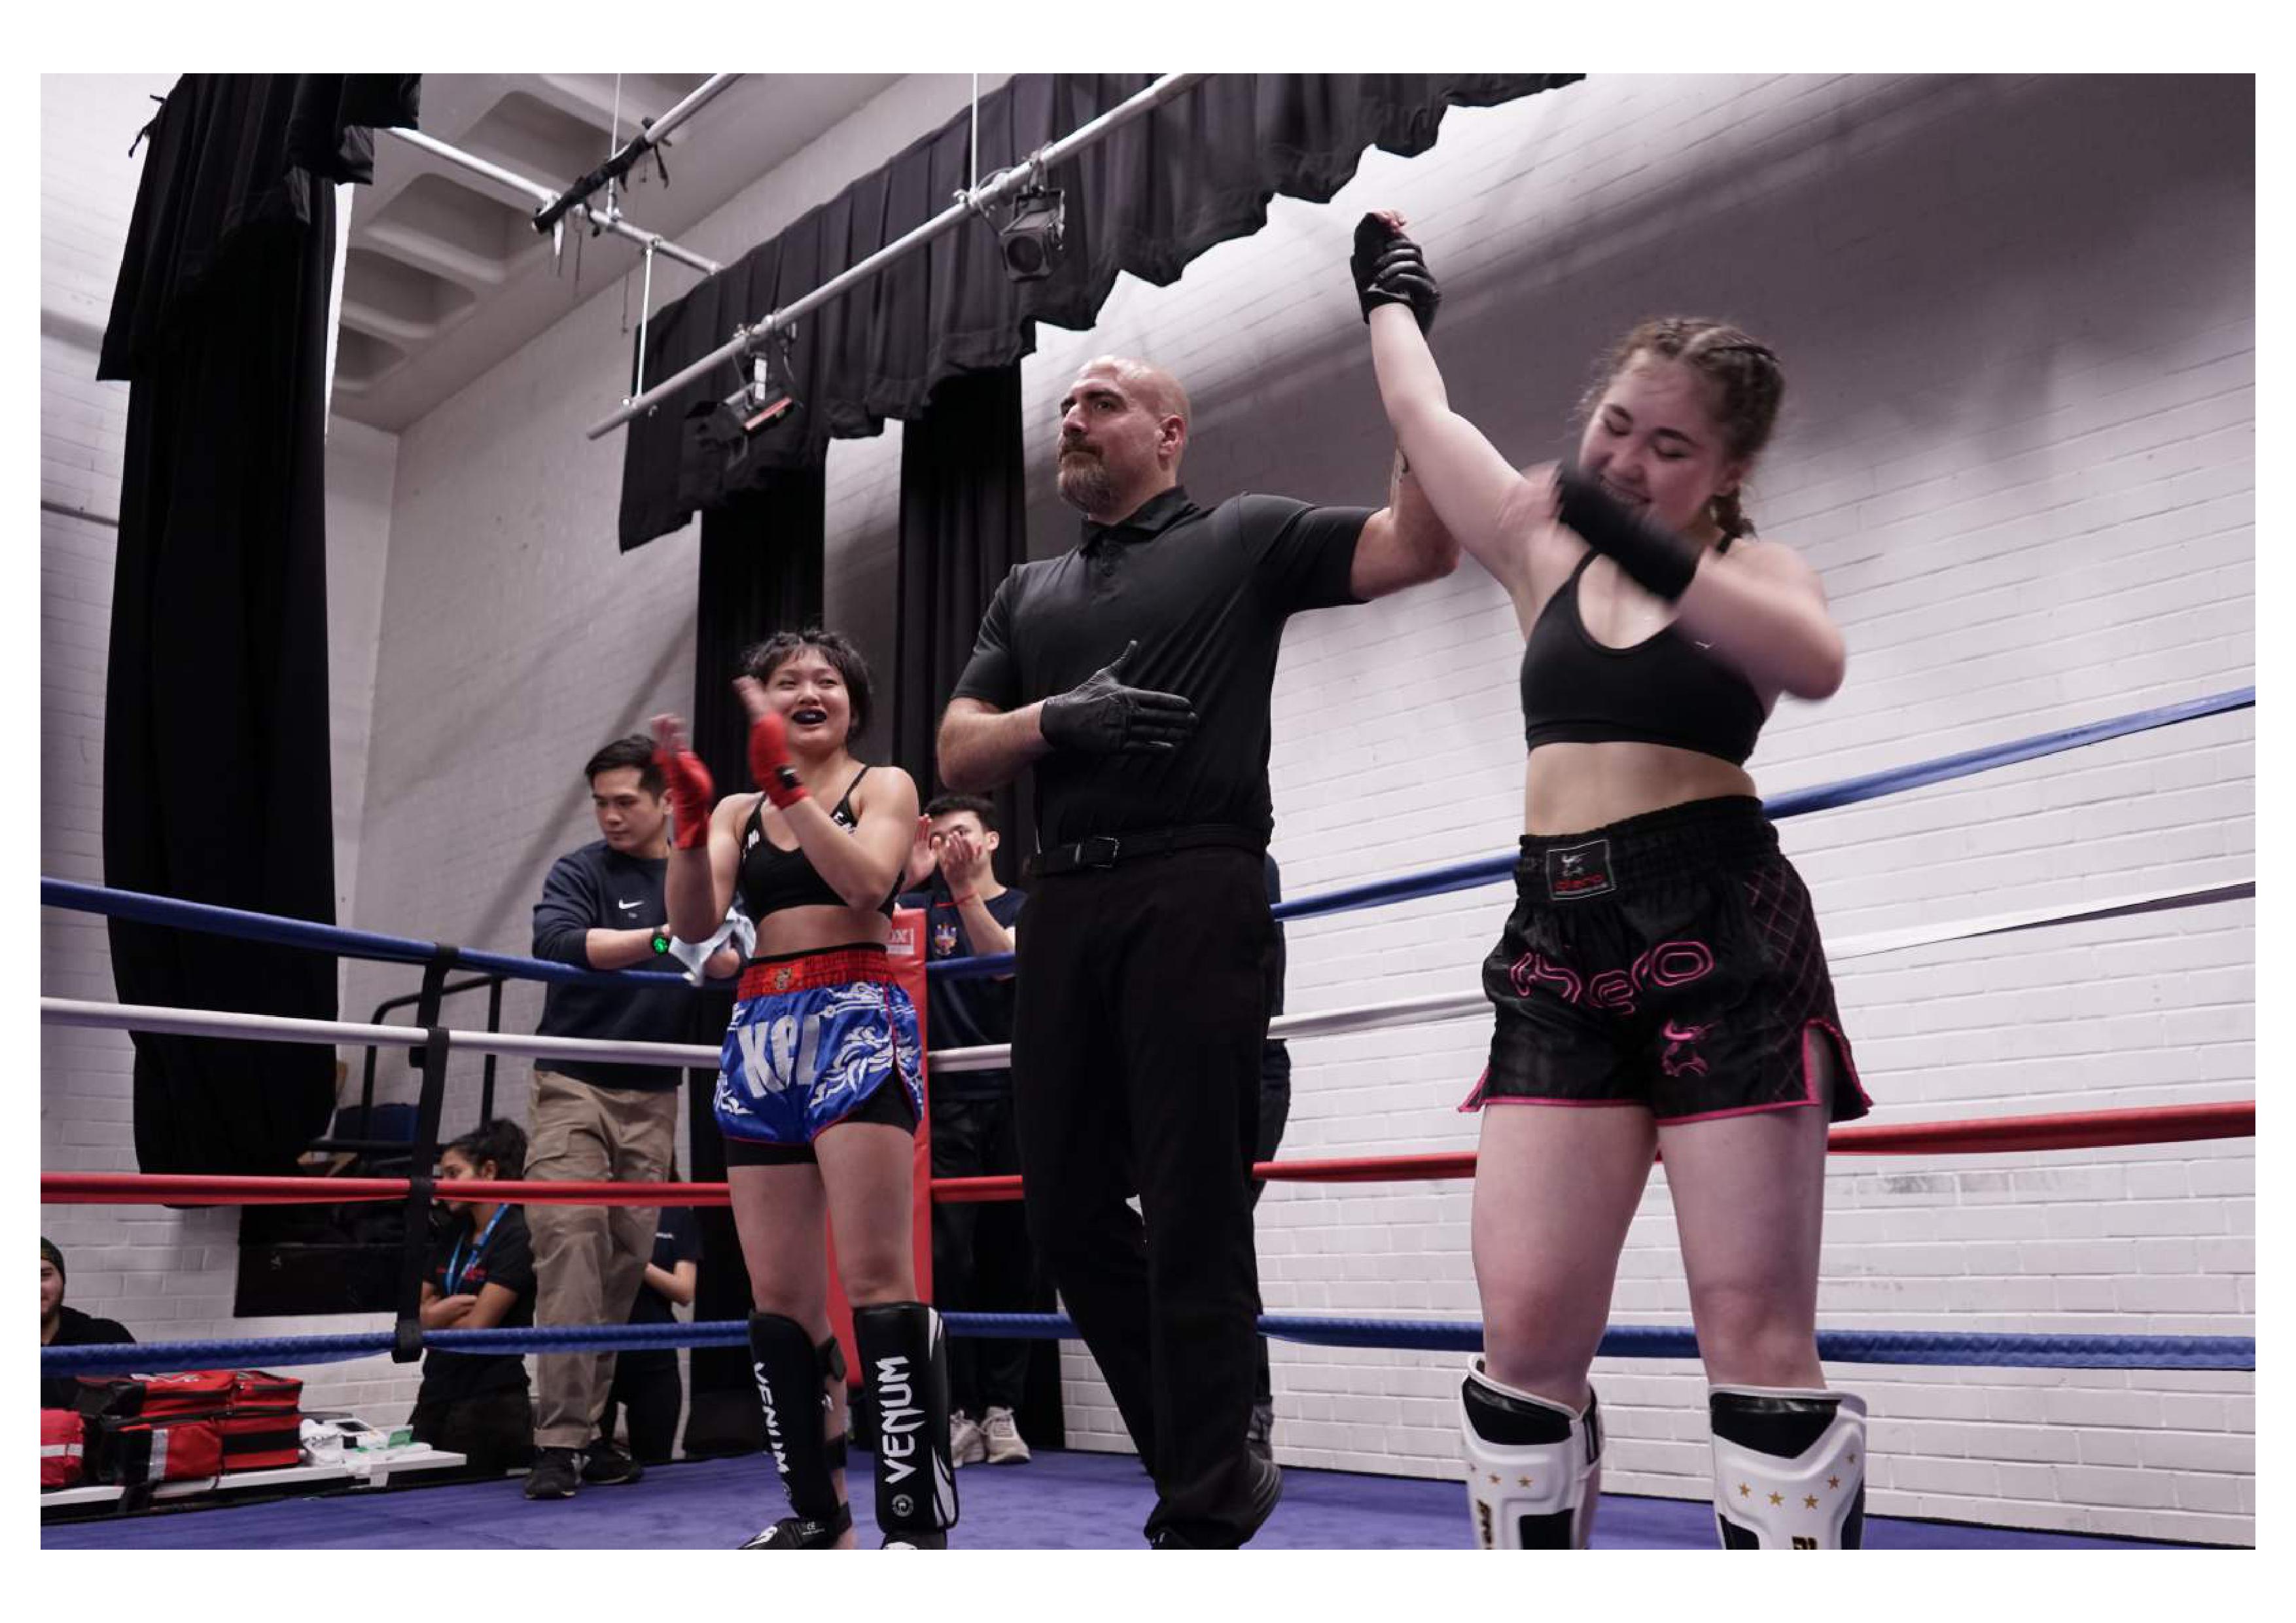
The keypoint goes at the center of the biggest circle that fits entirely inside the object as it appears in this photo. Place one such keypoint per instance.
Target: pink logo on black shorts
(1574, 870)
(1670, 963)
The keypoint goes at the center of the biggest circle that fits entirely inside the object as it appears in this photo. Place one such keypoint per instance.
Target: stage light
(1030, 239)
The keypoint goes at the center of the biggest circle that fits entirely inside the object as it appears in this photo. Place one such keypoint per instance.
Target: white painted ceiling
(446, 275)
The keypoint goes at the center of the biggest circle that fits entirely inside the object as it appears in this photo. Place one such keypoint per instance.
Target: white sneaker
(967, 1444)
(1003, 1438)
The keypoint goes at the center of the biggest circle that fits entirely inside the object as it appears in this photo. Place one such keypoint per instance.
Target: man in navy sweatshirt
(602, 908)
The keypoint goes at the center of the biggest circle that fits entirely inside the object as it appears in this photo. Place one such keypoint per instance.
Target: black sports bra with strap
(771, 879)
(1661, 691)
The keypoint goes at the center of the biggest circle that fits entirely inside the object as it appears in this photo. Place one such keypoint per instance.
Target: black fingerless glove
(1659, 560)
(1389, 269)
(1101, 716)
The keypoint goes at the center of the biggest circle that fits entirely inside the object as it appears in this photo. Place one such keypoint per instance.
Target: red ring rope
(184, 1189)
(2083, 1130)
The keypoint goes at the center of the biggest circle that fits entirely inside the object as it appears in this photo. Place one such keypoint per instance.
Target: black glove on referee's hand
(1100, 715)
(1389, 269)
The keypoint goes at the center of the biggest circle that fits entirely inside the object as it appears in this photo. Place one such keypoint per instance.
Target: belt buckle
(1100, 851)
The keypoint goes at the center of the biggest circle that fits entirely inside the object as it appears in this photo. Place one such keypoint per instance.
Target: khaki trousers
(589, 1260)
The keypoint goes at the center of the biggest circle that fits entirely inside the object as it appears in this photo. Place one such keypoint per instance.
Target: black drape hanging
(964, 526)
(1147, 199)
(760, 572)
(216, 753)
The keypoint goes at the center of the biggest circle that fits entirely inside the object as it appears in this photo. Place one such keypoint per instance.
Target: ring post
(414, 1252)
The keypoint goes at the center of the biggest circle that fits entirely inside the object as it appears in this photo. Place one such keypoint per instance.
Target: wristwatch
(660, 943)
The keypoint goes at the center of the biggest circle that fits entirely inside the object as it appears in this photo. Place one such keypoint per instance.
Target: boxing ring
(1060, 1501)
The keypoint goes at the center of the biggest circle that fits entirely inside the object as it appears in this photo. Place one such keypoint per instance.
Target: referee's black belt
(1106, 850)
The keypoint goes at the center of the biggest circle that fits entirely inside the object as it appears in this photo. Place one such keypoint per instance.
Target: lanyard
(457, 1266)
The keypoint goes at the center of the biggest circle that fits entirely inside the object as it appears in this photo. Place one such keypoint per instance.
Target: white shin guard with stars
(1789, 1467)
(1534, 1468)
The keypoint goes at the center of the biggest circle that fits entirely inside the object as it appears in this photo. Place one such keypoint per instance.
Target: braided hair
(1748, 387)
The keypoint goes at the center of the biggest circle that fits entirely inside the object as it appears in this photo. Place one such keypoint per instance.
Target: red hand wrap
(769, 761)
(691, 796)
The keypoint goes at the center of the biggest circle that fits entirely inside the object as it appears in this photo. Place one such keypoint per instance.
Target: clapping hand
(691, 794)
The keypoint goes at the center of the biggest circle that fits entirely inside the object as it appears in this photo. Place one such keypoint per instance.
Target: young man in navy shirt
(602, 908)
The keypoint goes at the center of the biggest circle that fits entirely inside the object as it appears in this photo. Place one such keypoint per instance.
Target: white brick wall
(2018, 320)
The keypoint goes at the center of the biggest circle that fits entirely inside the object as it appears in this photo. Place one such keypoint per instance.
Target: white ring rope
(1334, 1022)
(1466, 1005)
(279, 1028)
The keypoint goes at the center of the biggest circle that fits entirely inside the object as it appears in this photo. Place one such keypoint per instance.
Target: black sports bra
(770, 878)
(1660, 691)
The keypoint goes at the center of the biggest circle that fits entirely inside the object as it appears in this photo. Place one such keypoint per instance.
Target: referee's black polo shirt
(1206, 593)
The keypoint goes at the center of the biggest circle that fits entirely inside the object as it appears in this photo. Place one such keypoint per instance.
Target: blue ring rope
(1959, 1348)
(1406, 887)
(147, 909)
(1793, 803)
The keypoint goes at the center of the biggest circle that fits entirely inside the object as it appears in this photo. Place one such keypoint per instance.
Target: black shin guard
(794, 1377)
(904, 1363)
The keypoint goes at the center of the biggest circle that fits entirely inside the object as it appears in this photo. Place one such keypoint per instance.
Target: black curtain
(1147, 199)
(216, 758)
(761, 564)
(964, 526)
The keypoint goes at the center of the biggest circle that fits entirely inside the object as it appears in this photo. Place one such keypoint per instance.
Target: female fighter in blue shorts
(820, 1088)
(1659, 985)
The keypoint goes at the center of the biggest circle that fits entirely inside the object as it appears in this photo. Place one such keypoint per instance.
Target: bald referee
(1133, 673)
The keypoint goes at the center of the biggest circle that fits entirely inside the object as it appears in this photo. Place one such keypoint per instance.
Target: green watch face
(661, 942)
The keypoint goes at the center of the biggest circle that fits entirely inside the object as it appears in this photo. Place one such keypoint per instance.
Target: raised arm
(1404, 543)
(1489, 508)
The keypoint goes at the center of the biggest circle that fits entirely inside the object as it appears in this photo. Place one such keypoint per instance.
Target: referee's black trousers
(1142, 1005)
